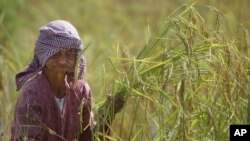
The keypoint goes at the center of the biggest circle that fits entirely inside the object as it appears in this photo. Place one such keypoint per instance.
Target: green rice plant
(191, 89)
(189, 81)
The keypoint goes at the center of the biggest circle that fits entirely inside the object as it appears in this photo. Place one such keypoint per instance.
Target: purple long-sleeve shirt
(37, 116)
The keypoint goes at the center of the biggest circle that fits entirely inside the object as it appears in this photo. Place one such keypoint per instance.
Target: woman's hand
(116, 102)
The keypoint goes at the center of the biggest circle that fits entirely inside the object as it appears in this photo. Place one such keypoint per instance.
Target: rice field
(182, 66)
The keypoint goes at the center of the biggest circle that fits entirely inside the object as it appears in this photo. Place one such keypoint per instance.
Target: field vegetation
(183, 66)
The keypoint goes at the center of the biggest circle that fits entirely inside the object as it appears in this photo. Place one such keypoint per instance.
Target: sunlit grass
(187, 79)
(192, 90)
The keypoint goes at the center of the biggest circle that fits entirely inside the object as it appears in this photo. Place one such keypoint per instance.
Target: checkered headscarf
(53, 37)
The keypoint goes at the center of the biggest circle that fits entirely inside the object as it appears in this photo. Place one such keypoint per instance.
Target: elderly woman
(53, 105)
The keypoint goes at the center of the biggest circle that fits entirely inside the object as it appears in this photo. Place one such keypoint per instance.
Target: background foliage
(184, 64)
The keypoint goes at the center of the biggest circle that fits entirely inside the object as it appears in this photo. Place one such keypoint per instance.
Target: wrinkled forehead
(68, 50)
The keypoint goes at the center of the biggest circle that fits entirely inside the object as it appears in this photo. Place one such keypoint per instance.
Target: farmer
(53, 105)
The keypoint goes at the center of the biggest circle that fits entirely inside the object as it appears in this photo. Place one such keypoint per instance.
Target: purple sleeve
(86, 134)
(27, 120)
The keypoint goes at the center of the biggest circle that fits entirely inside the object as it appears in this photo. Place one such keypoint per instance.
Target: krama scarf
(53, 37)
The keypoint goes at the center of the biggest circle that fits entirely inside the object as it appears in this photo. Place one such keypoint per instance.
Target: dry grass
(187, 79)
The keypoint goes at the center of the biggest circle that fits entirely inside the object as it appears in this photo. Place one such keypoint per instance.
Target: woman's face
(63, 61)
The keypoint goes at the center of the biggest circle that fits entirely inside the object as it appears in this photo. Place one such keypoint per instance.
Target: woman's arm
(105, 116)
(86, 133)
